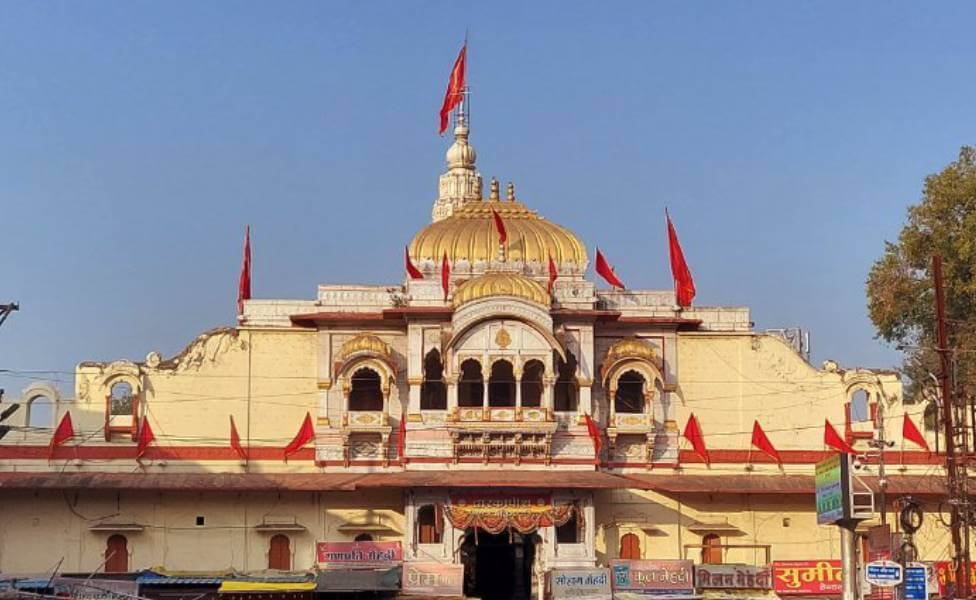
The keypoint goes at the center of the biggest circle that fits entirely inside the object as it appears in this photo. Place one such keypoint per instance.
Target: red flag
(911, 433)
(606, 271)
(684, 285)
(694, 435)
(235, 440)
(833, 440)
(760, 441)
(445, 275)
(553, 273)
(500, 226)
(594, 431)
(412, 271)
(63, 433)
(455, 88)
(244, 284)
(146, 437)
(402, 439)
(305, 435)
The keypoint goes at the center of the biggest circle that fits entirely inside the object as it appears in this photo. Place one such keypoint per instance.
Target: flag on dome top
(445, 275)
(684, 285)
(146, 437)
(244, 283)
(833, 440)
(455, 88)
(911, 433)
(63, 433)
(553, 273)
(305, 435)
(412, 271)
(761, 442)
(604, 269)
(235, 440)
(693, 434)
(500, 227)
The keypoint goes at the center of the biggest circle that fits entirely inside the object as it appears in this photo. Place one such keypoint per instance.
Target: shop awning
(359, 580)
(232, 586)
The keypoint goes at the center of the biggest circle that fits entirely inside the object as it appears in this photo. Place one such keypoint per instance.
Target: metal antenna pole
(6, 309)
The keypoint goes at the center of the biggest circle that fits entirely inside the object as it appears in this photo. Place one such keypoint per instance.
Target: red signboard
(358, 554)
(945, 574)
(807, 578)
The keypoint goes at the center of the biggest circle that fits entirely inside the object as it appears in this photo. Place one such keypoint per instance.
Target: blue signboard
(916, 583)
(883, 573)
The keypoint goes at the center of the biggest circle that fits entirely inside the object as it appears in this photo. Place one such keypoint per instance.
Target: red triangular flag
(606, 271)
(305, 435)
(455, 88)
(594, 431)
(63, 433)
(412, 271)
(684, 285)
(402, 438)
(911, 433)
(235, 440)
(146, 437)
(553, 273)
(244, 284)
(833, 440)
(694, 435)
(500, 227)
(760, 441)
(445, 275)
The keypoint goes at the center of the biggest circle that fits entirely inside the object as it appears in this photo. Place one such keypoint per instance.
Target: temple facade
(488, 441)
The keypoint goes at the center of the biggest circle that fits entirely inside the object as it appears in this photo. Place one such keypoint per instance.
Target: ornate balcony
(502, 433)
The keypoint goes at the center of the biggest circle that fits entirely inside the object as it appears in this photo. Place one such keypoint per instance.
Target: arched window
(471, 385)
(279, 553)
(366, 392)
(711, 549)
(40, 412)
(117, 554)
(428, 527)
(860, 406)
(120, 398)
(433, 393)
(630, 547)
(566, 391)
(501, 384)
(532, 383)
(569, 532)
(363, 537)
(630, 393)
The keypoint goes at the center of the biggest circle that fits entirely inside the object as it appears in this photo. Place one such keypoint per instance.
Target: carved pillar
(518, 393)
(452, 394)
(415, 367)
(548, 392)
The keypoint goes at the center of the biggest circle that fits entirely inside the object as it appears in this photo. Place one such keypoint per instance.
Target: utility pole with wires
(6, 309)
(957, 451)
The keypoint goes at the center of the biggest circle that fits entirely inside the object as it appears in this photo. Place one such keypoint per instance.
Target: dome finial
(493, 193)
(510, 192)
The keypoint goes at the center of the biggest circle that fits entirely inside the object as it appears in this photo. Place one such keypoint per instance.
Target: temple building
(484, 440)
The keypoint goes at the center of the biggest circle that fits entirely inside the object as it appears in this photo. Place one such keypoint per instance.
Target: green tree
(899, 286)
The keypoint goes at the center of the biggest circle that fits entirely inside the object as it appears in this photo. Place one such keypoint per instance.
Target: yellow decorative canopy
(366, 343)
(501, 284)
(470, 234)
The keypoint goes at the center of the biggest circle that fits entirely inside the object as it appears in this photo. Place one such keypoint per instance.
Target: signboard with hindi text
(733, 577)
(675, 577)
(916, 582)
(358, 554)
(433, 579)
(579, 584)
(807, 578)
(832, 489)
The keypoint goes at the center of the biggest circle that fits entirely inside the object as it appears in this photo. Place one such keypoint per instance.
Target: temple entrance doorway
(498, 566)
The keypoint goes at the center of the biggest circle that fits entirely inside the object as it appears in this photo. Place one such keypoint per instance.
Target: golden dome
(501, 284)
(630, 348)
(365, 343)
(469, 234)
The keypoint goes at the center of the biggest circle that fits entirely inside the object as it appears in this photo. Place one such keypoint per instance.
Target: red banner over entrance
(496, 512)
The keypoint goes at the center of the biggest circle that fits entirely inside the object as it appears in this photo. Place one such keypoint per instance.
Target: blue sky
(137, 139)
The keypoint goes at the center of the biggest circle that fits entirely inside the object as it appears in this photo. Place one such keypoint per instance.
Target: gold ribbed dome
(501, 284)
(469, 234)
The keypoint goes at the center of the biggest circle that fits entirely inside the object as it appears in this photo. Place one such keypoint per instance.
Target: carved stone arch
(33, 393)
(546, 334)
(650, 372)
(384, 369)
(40, 388)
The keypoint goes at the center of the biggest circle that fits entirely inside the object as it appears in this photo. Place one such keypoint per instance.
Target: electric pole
(6, 309)
(955, 437)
